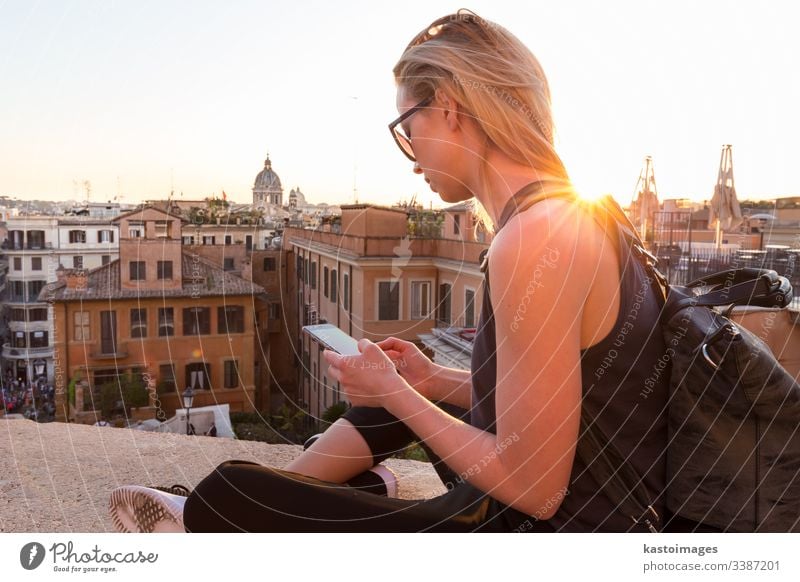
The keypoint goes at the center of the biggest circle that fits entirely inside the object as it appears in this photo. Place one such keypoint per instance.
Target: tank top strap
(529, 195)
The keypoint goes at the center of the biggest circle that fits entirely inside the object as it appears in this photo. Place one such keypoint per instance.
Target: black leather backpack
(733, 458)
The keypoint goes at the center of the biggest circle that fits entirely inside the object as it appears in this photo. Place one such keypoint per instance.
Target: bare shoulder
(551, 227)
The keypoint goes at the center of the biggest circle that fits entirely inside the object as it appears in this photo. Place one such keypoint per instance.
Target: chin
(453, 197)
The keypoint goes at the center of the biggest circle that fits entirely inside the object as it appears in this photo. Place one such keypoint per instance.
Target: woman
(567, 321)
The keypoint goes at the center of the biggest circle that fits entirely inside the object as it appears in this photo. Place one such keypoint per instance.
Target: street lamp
(188, 399)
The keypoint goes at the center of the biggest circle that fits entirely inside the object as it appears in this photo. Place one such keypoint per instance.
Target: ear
(449, 108)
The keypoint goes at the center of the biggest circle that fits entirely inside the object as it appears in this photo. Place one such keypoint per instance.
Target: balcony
(24, 299)
(16, 353)
(28, 246)
(117, 352)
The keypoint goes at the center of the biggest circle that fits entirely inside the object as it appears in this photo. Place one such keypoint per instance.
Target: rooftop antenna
(355, 150)
(87, 186)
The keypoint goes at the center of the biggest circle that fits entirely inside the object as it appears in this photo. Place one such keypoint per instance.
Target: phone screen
(333, 338)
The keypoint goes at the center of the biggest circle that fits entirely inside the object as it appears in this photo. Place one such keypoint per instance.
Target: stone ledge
(57, 477)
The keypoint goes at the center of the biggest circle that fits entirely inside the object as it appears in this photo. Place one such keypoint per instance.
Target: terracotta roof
(200, 279)
(142, 208)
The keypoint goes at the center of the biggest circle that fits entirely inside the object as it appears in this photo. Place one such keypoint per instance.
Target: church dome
(267, 179)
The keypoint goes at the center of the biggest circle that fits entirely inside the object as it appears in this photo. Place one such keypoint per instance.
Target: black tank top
(624, 384)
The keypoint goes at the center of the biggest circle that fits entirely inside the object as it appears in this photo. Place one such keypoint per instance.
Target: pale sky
(135, 96)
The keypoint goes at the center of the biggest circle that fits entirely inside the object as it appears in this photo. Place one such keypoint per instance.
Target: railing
(119, 352)
(10, 351)
(33, 298)
(680, 267)
(27, 246)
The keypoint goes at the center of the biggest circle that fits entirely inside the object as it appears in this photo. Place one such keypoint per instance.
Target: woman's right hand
(414, 366)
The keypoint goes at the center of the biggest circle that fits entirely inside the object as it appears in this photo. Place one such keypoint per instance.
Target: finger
(393, 354)
(334, 374)
(389, 343)
(331, 357)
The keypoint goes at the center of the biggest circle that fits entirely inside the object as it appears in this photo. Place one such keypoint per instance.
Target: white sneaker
(136, 509)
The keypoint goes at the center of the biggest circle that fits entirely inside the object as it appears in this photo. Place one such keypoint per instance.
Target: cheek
(433, 155)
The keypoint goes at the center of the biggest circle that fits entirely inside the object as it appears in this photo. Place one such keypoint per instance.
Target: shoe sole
(136, 509)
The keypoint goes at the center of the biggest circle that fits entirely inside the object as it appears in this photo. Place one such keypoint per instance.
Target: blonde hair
(496, 80)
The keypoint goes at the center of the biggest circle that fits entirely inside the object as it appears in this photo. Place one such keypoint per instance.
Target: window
(228, 240)
(469, 309)
(227, 263)
(162, 228)
(135, 229)
(105, 236)
(198, 376)
(17, 291)
(456, 224)
(325, 281)
(248, 242)
(138, 270)
(299, 268)
(77, 262)
(269, 264)
(230, 319)
(231, 374)
(17, 263)
(19, 339)
(420, 299)
(108, 332)
(209, 240)
(346, 286)
(17, 239)
(334, 285)
(17, 315)
(34, 288)
(196, 321)
(36, 263)
(77, 236)
(38, 314)
(166, 378)
(166, 321)
(165, 269)
(314, 274)
(443, 305)
(35, 239)
(388, 300)
(138, 323)
(274, 310)
(105, 259)
(188, 240)
(38, 339)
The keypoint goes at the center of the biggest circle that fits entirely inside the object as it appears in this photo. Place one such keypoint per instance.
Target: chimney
(76, 278)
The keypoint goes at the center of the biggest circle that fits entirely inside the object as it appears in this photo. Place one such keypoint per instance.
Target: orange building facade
(161, 314)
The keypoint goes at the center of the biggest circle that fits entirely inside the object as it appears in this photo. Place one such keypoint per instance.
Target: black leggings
(239, 496)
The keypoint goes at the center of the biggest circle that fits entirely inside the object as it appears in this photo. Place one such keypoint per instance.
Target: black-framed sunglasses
(402, 140)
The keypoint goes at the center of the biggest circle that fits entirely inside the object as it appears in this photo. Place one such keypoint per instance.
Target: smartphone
(333, 338)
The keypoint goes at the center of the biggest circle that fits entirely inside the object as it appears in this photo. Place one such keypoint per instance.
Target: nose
(417, 169)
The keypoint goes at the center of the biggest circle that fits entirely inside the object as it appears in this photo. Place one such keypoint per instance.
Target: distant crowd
(34, 399)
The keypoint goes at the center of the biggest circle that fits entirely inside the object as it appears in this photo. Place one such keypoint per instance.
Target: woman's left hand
(368, 379)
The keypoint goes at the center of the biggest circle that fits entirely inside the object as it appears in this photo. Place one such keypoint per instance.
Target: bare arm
(449, 385)
(527, 463)
(433, 381)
